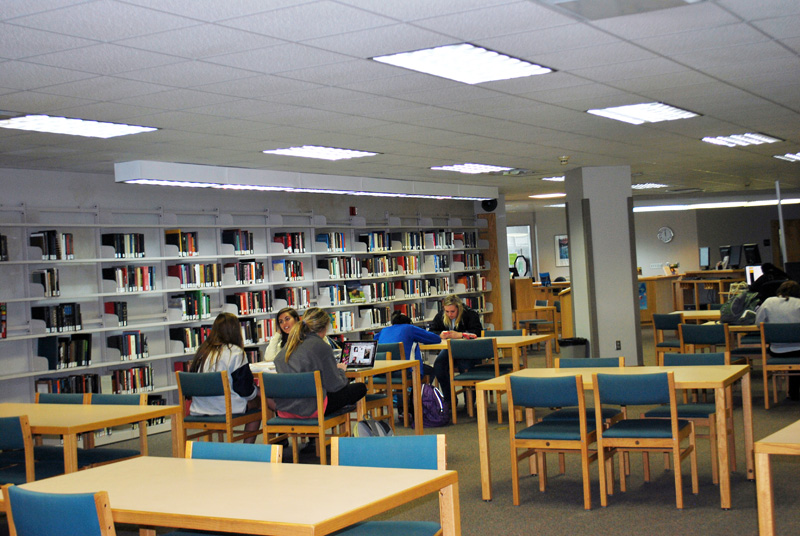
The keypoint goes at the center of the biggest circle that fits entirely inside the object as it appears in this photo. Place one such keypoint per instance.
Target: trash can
(574, 347)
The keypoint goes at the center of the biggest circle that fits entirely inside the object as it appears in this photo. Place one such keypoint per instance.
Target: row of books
(376, 240)
(3, 248)
(48, 278)
(335, 294)
(66, 352)
(342, 267)
(382, 265)
(469, 239)
(75, 383)
(132, 278)
(247, 272)
(473, 282)
(194, 305)
(478, 303)
(441, 263)
(332, 241)
(292, 242)
(250, 303)
(415, 311)
(186, 242)
(375, 316)
(257, 331)
(130, 380)
(291, 269)
(191, 337)
(126, 245)
(131, 345)
(54, 245)
(472, 261)
(59, 318)
(342, 321)
(3, 320)
(441, 239)
(296, 297)
(253, 355)
(197, 275)
(241, 240)
(118, 308)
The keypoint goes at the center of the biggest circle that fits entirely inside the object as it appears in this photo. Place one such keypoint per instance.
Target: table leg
(747, 413)
(548, 353)
(450, 510)
(483, 445)
(70, 453)
(722, 448)
(764, 495)
(143, 437)
(178, 445)
(145, 531)
(403, 383)
(515, 358)
(416, 389)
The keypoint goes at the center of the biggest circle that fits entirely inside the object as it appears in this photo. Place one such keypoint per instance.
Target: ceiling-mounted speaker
(489, 205)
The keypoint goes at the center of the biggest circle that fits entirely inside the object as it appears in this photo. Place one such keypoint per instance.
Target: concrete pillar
(603, 261)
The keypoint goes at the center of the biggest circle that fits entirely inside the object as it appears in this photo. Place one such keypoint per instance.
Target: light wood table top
(513, 343)
(255, 498)
(696, 316)
(382, 366)
(786, 442)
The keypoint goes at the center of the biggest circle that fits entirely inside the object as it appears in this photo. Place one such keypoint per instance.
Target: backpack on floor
(371, 428)
(435, 409)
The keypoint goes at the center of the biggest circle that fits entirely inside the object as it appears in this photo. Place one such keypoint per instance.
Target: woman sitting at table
(402, 330)
(306, 350)
(287, 318)
(223, 349)
(454, 321)
(784, 308)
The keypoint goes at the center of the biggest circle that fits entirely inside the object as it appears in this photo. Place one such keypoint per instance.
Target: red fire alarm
(353, 211)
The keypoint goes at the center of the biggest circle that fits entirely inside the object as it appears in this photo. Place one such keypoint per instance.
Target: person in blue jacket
(402, 330)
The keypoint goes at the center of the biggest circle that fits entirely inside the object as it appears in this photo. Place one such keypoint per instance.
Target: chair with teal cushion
(645, 435)
(572, 413)
(696, 337)
(93, 456)
(242, 452)
(61, 398)
(299, 385)
(508, 367)
(559, 436)
(476, 351)
(665, 334)
(32, 513)
(379, 402)
(702, 414)
(16, 454)
(778, 333)
(398, 452)
(53, 453)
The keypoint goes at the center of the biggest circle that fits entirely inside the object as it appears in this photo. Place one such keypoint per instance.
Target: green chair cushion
(645, 428)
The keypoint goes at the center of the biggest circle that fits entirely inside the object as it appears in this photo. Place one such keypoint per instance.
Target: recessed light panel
(322, 153)
(472, 169)
(741, 140)
(648, 112)
(547, 196)
(557, 205)
(72, 127)
(464, 63)
(648, 186)
(554, 179)
(789, 157)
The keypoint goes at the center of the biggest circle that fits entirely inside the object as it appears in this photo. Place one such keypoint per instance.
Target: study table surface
(717, 378)
(697, 316)
(387, 367)
(786, 442)
(255, 497)
(513, 343)
(71, 420)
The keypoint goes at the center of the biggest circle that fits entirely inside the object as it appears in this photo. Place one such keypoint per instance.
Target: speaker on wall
(489, 205)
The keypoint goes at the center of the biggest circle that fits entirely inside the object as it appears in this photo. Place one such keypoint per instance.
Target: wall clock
(665, 234)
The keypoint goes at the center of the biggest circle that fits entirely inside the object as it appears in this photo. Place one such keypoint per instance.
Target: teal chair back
(541, 303)
(633, 389)
(290, 385)
(703, 334)
(472, 349)
(503, 333)
(594, 362)
(666, 322)
(694, 360)
(781, 332)
(56, 514)
(201, 384)
(243, 452)
(714, 306)
(60, 398)
(379, 355)
(396, 348)
(544, 392)
(12, 436)
(557, 305)
(116, 400)
(396, 452)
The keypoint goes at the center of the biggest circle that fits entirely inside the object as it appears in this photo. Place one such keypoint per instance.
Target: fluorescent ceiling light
(735, 140)
(648, 186)
(559, 205)
(547, 196)
(72, 127)
(724, 204)
(464, 63)
(554, 179)
(648, 112)
(323, 153)
(472, 169)
(789, 157)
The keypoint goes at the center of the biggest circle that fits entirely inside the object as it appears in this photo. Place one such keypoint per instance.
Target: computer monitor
(705, 258)
(792, 269)
(725, 256)
(751, 273)
(752, 255)
(736, 257)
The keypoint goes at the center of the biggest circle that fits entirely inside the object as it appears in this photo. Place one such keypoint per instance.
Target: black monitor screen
(751, 254)
(705, 255)
(724, 251)
(736, 256)
(792, 269)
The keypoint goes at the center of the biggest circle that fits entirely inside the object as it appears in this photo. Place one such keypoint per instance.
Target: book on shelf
(59, 318)
(3, 248)
(126, 245)
(240, 239)
(54, 245)
(48, 278)
(131, 345)
(66, 352)
(3, 320)
(118, 308)
(186, 242)
(76, 383)
(356, 292)
(182, 366)
(292, 242)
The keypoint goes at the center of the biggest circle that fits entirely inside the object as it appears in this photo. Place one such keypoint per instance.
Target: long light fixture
(72, 127)
(548, 196)
(648, 186)
(260, 180)
(649, 112)
(472, 169)
(741, 140)
(721, 204)
(554, 179)
(322, 153)
(464, 63)
(789, 157)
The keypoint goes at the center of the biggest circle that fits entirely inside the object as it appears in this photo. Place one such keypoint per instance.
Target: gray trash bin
(574, 347)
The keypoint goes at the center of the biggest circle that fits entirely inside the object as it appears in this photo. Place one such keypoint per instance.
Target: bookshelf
(139, 287)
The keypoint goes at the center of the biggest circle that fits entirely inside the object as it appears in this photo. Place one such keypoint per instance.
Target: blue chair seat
(217, 418)
(372, 397)
(772, 360)
(751, 339)
(645, 428)
(391, 528)
(572, 414)
(555, 430)
(298, 421)
(685, 411)
(15, 474)
(476, 374)
(669, 343)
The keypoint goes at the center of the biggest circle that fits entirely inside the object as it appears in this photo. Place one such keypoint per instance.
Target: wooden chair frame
(773, 365)
(27, 445)
(402, 387)
(275, 456)
(658, 337)
(468, 386)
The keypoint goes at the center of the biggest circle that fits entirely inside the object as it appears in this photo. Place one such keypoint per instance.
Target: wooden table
(387, 367)
(278, 499)
(717, 378)
(549, 310)
(787, 442)
(699, 316)
(71, 420)
(515, 344)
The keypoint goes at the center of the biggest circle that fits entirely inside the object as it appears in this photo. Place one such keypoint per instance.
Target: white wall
(549, 223)
(682, 248)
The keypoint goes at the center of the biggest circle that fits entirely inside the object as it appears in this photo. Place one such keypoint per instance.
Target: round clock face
(665, 234)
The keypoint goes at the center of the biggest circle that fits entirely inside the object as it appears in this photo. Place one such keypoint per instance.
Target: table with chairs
(784, 442)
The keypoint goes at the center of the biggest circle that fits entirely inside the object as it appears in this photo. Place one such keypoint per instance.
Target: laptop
(359, 355)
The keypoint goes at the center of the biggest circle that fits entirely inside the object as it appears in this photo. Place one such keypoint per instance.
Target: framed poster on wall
(562, 250)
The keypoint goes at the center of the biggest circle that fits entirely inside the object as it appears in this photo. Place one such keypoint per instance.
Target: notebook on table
(359, 355)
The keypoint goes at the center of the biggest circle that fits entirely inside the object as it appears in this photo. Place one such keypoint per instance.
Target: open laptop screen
(359, 354)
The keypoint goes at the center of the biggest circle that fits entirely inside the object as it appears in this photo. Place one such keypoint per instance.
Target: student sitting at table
(287, 318)
(402, 330)
(223, 349)
(306, 350)
(784, 308)
(454, 321)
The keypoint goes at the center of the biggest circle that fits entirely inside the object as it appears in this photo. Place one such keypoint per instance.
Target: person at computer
(402, 330)
(784, 308)
(454, 321)
(306, 351)
(223, 349)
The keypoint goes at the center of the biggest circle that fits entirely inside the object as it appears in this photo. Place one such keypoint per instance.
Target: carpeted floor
(645, 508)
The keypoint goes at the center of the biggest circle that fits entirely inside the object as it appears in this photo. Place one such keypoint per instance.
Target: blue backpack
(435, 409)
